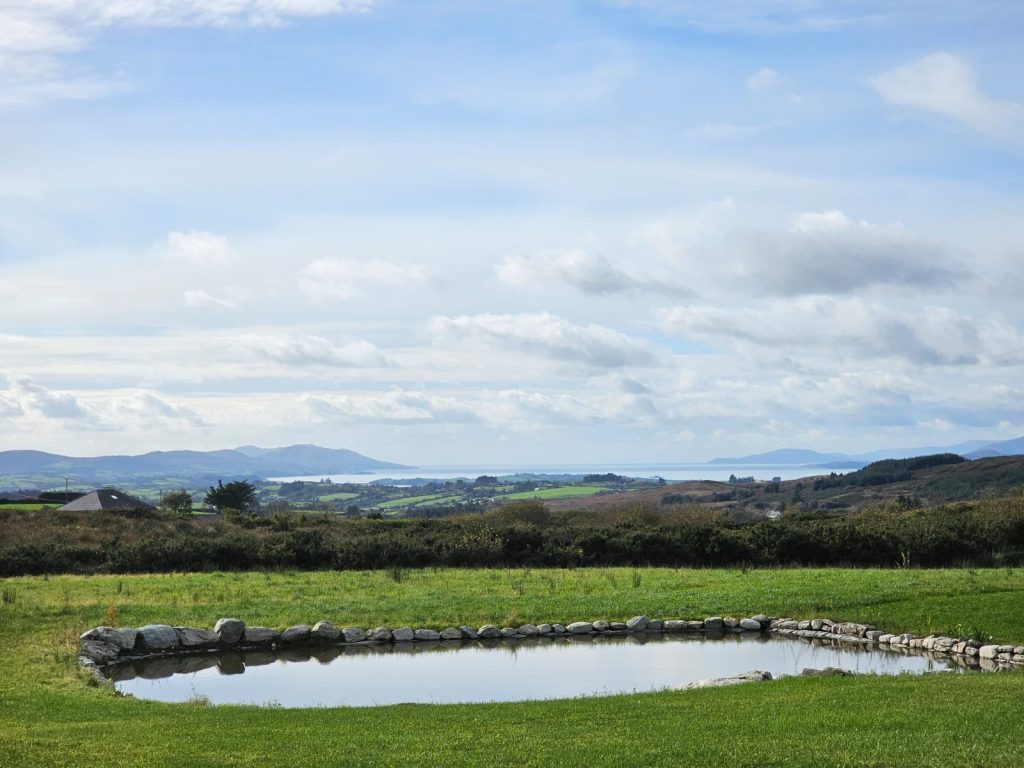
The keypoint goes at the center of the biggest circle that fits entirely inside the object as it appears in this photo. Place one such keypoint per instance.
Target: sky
(512, 231)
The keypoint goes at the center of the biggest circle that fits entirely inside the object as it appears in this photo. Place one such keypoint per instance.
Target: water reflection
(449, 671)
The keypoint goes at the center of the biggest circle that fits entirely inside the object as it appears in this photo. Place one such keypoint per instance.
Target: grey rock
(761, 618)
(730, 622)
(451, 633)
(638, 624)
(756, 676)
(489, 631)
(325, 632)
(403, 635)
(874, 635)
(426, 634)
(617, 626)
(580, 628)
(98, 651)
(655, 625)
(510, 632)
(123, 638)
(988, 651)
(750, 624)
(157, 637)
(192, 637)
(714, 623)
(469, 633)
(353, 634)
(806, 624)
(529, 630)
(1018, 650)
(1006, 649)
(380, 634)
(674, 625)
(297, 634)
(229, 631)
(826, 672)
(260, 635)
(817, 624)
(544, 629)
(695, 625)
(601, 625)
(559, 629)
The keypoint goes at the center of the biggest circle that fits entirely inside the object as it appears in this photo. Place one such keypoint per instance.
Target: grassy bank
(49, 715)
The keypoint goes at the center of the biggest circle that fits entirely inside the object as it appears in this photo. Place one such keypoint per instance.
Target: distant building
(104, 498)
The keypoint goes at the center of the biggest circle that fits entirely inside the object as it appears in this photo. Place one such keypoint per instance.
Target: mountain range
(244, 462)
(972, 449)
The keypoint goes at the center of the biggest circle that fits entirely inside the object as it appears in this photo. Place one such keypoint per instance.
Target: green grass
(50, 715)
(565, 492)
(411, 501)
(340, 496)
(27, 507)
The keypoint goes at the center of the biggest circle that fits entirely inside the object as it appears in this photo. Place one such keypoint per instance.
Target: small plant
(969, 632)
(637, 578)
(397, 574)
(120, 586)
(112, 615)
(10, 596)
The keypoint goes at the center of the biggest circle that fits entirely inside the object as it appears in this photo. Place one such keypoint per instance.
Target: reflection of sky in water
(513, 672)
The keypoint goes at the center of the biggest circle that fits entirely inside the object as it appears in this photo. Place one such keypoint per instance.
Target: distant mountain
(246, 462)
(972, 449)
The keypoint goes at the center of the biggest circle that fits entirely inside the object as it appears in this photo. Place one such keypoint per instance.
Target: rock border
(108, 646)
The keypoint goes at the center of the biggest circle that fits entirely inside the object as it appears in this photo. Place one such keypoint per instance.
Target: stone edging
(103, 646)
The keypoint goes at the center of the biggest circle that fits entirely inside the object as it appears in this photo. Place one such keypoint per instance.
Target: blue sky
(510, 231)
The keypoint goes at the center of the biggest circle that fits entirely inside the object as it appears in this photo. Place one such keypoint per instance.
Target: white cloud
(853, 328)
(32, 397)
(331, 278)
(588, 272)
(145, 410)
(306, 350)
(203, 249)
(765, 79)
(946, 85)
(550, 336)
(200, 299)
(394, 407)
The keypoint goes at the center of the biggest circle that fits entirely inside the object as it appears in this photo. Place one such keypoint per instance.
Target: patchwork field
(52, 714)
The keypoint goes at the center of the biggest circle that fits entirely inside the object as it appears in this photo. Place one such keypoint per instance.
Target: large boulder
(451, 633)
(297, 634)
(353, 634)
(713, 623)
(747, 677)
(580, 628)
(488, 631)
(674, 625)
(637, 624)
(403, 635)
(380, 634)
(750, 624)
(193, 637)
(229, 631)
(124, 638)
(529, 630)
(157, 637)
(469, 633)
(260, 636)
(325, 632)
(427, 634)
(601, 625)
(98, 651)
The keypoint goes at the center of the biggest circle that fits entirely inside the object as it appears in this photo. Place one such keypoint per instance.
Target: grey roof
(104, 498)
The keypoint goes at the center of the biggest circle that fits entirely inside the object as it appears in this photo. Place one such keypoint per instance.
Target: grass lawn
(340, 496)
(410, 501)
(50, 715)
(27, 507)
(565, 492)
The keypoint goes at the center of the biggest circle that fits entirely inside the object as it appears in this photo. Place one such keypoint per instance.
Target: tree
(238, 494)
(178, 503)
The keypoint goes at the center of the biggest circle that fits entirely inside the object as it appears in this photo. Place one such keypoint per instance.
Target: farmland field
(565, 492)
(51, 715)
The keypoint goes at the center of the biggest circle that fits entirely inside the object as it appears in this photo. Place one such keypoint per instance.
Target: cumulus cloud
(549, 336)
(946, 85)
(765, 79)
(147, 410)
(203, 249)
(325, 279)
(29, 396)
(305, 350)
(394, 407)
(853, 327)
(831, 253)
(588, 272)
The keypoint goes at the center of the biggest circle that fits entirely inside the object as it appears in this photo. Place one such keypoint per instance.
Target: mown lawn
(564, 492)
(50, 715)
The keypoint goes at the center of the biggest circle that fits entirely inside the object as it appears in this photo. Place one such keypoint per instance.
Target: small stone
(559, 629)
(488, 631)
(826, 672)
(750, 624)
(469, 633)
(730, 622)
(403, 635)
(451, 633)
(674, 625)
(601, 625)
(229, 631)
(260, 635)
(580, 628)
(874, 635)
(762, 619)
(806, 624)
(426, 634)
(695, 625)
(353, 634)
(529, 630)
(544, 629)
(157, 637)
(508, 632)
(817, 624)
(297, 634)
(325, 632)
(655, 625)
(714, 623)
(191, 637)
(380, 634)
(617, 626)
(638, 624)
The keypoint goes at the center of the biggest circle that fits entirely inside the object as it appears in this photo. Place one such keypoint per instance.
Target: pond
(483, 671)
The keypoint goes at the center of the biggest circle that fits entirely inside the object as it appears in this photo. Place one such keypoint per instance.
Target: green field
(564, 492)
(27, 507)
(340, 496)
(50, 715)
(411, 501)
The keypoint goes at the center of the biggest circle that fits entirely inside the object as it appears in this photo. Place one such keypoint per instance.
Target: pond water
(481, 671)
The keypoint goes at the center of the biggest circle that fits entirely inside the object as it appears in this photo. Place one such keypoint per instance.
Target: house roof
(104, 498)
